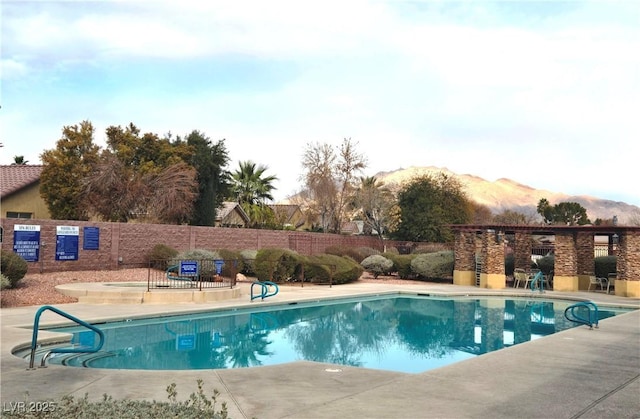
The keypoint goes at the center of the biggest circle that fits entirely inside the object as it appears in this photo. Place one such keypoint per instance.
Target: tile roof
(18, 176)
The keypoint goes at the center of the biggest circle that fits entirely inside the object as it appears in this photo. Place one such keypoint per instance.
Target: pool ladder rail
(571, 313)
(36, 328)
(265, 289)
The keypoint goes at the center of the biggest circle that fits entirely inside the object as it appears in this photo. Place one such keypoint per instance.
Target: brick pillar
(522, 251)
(628, 265)
(492, 275)
(585, 251)
(465, 249)
(565, 276)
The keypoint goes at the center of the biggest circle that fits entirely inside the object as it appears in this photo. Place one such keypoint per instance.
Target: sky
(545, 93)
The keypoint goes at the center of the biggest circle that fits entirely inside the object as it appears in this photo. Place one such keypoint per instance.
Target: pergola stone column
(585, 245)
(465, 250)
(522, 250)
(492, 274)
(628, 266)
(565, 276)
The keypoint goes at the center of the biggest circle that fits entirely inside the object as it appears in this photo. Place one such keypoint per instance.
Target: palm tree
(19, 161)
(252, 189)
(375, 202)
(249, 185)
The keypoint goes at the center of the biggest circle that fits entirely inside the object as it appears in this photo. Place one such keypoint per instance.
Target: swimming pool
(398, 333)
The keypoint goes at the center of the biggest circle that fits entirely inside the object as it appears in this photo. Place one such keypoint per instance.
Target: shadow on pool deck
(575, 373)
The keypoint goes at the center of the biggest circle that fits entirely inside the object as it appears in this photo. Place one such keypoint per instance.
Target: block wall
(128, 244)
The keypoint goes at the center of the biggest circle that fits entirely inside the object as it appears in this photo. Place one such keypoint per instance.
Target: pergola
(480, 254)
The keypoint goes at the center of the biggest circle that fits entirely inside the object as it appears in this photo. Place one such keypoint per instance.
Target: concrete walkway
(577, 373)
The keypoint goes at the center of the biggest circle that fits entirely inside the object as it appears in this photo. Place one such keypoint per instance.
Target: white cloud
(539, 96)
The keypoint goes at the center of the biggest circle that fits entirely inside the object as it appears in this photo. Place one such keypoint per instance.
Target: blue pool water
(398, 333)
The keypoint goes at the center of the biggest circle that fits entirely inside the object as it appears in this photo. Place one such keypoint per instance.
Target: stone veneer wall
(566, 258)
(465, 250)
(493, 252)
(585, 250)
(628, 265)
(522, 251)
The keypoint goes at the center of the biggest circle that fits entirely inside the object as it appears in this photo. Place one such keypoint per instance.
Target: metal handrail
(264, 293)
(36, 327)
(593, 314)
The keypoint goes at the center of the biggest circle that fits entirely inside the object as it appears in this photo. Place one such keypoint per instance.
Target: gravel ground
(39, 289)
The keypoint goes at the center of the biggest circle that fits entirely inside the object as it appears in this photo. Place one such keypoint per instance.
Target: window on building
(23, 215)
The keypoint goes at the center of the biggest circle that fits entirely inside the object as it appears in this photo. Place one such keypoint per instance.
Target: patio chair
(596, 282)
(519, 275)
(611, 281)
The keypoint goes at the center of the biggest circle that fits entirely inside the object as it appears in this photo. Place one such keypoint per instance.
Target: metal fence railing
(191, 274)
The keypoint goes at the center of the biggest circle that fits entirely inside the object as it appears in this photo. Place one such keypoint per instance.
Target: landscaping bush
(206, 269)
(604, 265)
(198, 405)
(545, 264)
(339, 250)
(233, 262)
(161, 255)
(248, 262)
(4, 282)
(337, 269)
(438, 265)
(377, 265)
(278, 265)
(509, 264)
(13, 267)
(401, 265)
(366, 251)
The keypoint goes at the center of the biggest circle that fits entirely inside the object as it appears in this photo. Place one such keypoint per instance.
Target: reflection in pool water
(398, 333)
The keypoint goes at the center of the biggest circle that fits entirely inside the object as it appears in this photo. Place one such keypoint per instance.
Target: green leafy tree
(428, 204)
(567, 213)
(511, 217)
(252, 190)
(209, 159)
(64, 169)
(141, 177)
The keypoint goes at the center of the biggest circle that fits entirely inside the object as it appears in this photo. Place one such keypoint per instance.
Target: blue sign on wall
(26, 241)
(67, 242)
(188, 268)
(91, 238)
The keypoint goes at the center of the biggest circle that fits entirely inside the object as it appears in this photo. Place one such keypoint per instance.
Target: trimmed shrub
(206, 269)
(233, 262)
(367, 251)
(13, 267)
(337, 269)
(160, 256)
(438, 265)
(248, 261)
(339, 250)
(377, 265)
(605, 265)
(509, 264)
(4, 282)
(278, 265)
(402, 265)
(545, 264)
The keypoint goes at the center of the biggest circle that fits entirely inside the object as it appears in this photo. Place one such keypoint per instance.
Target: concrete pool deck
(576, 373)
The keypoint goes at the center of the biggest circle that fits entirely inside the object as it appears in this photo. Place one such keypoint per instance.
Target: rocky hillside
(508, 194)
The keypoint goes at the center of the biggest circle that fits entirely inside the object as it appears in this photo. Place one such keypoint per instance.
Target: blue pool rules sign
(26, 241)
(67, 242)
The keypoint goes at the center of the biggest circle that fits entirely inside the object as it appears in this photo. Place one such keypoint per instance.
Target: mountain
(506, 194)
